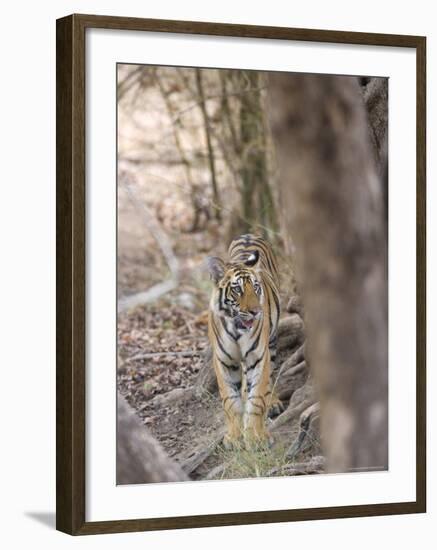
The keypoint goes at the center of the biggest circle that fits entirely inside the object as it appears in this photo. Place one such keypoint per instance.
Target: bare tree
(207, 124)
(195, 194)
(334, 213)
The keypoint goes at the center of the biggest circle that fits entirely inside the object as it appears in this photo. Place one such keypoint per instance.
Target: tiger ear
(216, 268)
(252, 259)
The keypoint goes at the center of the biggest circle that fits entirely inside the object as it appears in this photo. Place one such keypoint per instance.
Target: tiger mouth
(244, 324)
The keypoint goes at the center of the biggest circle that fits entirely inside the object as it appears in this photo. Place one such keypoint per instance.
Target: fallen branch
(155, 229)
(314, 466)
(147, 296)
(164, 244)
(172, 397)
(187, 353)
(216, 471)
(200, 454)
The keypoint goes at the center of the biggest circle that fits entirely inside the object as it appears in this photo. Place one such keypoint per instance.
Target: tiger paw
(274, 405)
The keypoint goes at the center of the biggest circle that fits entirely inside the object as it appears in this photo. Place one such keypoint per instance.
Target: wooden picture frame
(71, 254)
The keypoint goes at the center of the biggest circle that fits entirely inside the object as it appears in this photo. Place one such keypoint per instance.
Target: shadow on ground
(45, 518)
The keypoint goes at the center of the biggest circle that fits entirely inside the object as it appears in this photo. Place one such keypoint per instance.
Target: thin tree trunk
(226, 111)
(257, 200)
(334, 213)
(184, 160)
(211, 161)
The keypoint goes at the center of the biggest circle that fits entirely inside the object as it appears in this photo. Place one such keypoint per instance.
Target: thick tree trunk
(335, 216)
(376, 100)
(140, 458)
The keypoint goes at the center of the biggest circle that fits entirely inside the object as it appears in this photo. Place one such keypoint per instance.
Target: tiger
(243, 321)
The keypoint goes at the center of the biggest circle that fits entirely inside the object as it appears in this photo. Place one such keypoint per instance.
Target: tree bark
(140, 458)
(334, 213)
(257, 199)
(211, 159)
(376, 100)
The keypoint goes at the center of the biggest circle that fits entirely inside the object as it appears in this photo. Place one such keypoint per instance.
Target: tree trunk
(258, 210)
(140, 458)
(376, 101)
(211, 159)
(171, 111)
(335, 216)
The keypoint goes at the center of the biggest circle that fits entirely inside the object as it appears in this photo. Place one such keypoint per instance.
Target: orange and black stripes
(243, 321)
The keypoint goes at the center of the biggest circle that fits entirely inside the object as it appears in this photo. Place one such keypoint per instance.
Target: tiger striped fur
(243, 322)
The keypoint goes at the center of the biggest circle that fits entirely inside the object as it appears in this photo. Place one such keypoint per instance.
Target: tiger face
(239, 294)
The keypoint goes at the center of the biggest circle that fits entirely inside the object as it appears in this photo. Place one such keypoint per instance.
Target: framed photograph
(240, 274)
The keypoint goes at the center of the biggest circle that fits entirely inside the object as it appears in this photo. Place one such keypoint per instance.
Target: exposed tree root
(295, 305)
(314, 466)
(301, 399)
(291, 380)
(308, 435)
(212, 474)
(295, 358)
(200, 454)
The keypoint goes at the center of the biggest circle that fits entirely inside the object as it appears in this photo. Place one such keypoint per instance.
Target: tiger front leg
(229, 383)
(257, 373)
(274, 405)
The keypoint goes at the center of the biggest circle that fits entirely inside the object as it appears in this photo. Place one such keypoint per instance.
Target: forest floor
(161, 343)
(161, 348)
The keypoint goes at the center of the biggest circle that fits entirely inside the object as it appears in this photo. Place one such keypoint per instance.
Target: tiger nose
(254, 312)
